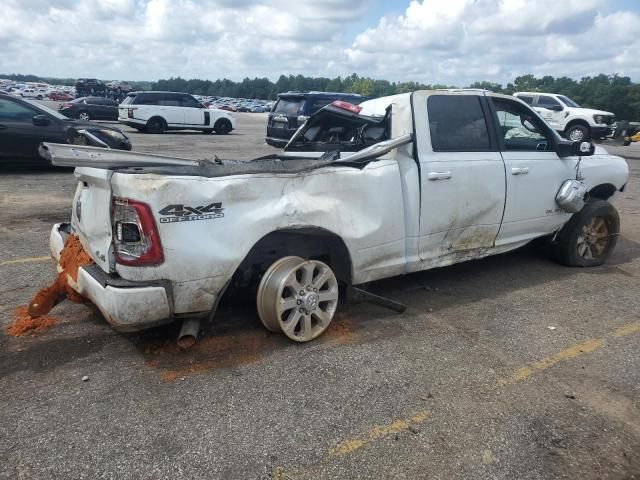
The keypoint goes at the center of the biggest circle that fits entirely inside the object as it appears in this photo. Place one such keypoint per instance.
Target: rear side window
(457, 124)
(526, 99)
(288, 106)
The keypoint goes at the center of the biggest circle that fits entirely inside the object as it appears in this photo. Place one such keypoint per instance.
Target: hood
(338, 128)
(587, 111)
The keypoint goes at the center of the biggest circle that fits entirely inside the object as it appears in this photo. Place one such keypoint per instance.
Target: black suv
(90, 86)
(293, 108)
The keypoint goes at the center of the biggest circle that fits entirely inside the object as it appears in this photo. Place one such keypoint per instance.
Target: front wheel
(589, 237)
(298, 298)
(84, 116)
(578, 133)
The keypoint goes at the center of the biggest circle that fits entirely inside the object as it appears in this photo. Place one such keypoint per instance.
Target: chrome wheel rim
(84, 116)
(576, 135)
(593, 239)
(298, 298)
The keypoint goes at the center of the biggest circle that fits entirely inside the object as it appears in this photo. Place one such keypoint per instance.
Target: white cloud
(433, 41)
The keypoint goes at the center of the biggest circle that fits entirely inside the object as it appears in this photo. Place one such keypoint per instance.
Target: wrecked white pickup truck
(395, 185)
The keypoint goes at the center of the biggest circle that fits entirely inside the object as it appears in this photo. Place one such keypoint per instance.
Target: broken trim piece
(63, 155)
(379, 149)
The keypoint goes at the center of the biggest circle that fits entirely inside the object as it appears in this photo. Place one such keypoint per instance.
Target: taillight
(135, 234)
(66, 105)
(347, 106)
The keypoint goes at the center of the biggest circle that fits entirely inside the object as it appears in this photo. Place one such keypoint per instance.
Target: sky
(454, 42)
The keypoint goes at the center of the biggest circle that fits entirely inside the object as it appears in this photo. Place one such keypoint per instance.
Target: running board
(63, 155)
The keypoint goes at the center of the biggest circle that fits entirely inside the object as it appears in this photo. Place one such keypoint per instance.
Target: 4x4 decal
(183, 213)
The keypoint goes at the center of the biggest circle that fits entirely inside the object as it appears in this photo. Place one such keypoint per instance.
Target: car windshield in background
(568, 102)
(288, 107)
(53, 113)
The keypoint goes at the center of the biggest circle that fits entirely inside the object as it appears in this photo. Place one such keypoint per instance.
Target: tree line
(613, 93)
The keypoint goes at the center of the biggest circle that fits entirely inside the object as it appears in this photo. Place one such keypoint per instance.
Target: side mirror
(41, 120)
(567, 148)
(556, 108)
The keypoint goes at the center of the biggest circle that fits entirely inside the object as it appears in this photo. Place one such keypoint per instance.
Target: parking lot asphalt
(510, 367)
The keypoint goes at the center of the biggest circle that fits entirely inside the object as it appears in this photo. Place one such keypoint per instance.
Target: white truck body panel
(397, 214)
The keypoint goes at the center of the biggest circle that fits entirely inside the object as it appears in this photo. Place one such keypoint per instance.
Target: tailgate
(91, 215)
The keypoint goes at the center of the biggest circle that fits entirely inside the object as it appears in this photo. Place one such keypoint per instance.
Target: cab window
(457, 124)
(519, 128)
(545, 101)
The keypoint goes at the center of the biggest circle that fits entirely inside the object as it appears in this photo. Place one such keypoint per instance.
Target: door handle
(520, 171)
(439, 175)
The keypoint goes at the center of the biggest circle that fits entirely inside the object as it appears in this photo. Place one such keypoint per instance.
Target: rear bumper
(128, 306)
(276, 142)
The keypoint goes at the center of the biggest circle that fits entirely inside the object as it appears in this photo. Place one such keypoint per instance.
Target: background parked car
(60, 96)
(293, 108)
(91, 108)
(24, 125)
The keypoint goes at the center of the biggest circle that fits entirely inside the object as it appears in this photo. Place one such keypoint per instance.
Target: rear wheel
(298, 298)
(222, 126)
(156, 125)
(84, 116)
(589, 237)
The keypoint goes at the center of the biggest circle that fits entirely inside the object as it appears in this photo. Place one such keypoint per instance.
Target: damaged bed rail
(63, 155)
(379, 149)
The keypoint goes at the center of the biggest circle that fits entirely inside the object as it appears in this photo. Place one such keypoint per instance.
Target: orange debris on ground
(72, 257)
(24, 323)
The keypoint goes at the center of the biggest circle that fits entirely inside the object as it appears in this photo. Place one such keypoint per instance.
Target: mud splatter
(24, 323)
(72, 257)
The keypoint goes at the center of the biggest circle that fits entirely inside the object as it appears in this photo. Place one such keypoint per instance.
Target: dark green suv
(293, 108)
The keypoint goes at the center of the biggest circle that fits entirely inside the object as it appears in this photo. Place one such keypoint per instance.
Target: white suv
(568, 118)
(157, 112)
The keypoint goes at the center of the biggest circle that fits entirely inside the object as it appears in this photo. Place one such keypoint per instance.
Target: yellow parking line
(25, 260)
(347, 446)
(589, 346)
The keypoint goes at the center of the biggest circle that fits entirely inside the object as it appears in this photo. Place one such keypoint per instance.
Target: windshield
(288, 106)
(53, 113)
(567, 101)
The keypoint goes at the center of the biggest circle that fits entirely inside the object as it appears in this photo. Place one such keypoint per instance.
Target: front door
(534, 173)
(462, 179)
(551, 110)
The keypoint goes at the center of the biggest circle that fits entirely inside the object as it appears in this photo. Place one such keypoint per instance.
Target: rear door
(462, 177)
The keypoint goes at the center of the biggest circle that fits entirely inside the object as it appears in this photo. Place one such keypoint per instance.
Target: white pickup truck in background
(396, 185)
(568, 118)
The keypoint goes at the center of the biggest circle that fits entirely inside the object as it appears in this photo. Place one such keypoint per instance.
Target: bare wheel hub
(593, 239)
(298, 298)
